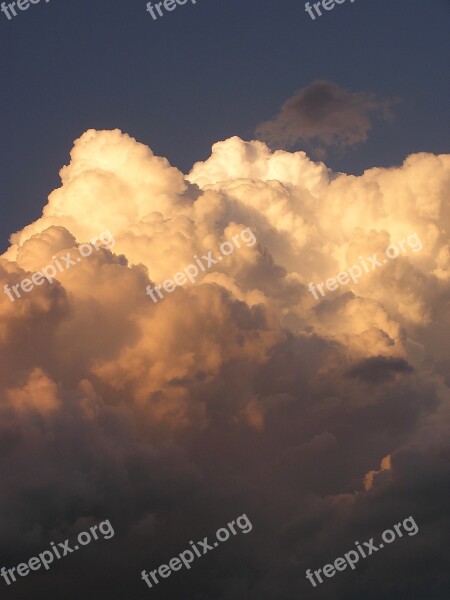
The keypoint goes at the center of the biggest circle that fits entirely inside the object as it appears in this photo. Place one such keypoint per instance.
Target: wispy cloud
(324, 115)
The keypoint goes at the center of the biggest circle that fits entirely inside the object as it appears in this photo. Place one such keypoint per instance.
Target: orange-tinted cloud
(241, 392)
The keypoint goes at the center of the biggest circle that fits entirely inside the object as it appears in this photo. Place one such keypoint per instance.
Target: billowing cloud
(323, 114)
(324, 420)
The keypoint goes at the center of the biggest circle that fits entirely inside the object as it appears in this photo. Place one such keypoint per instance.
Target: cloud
(239, 394)
(378, 369)
(324, 115)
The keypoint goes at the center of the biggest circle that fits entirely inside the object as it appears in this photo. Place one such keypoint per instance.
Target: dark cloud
(323, 115)
(379, 369)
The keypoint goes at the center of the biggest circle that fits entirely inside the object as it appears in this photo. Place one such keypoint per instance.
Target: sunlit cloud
(240, 390)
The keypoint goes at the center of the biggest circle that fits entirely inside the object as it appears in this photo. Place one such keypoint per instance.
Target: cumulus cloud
(324, 115)
(325, 421)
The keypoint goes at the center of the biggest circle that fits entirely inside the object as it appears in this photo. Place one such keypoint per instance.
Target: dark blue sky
(203, 73)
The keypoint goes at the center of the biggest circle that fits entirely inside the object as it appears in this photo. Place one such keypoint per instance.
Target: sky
(225, 266)
(204, 73)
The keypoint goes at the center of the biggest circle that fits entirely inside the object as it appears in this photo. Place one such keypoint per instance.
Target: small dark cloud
(379, 369)
(324, 114)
